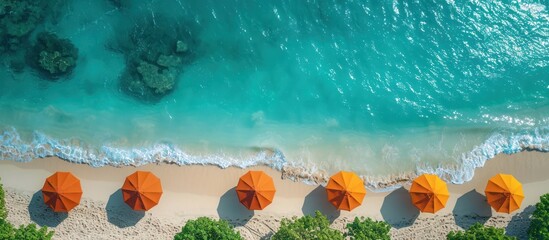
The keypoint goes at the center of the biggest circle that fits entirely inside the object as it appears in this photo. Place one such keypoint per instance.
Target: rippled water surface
(378, 87)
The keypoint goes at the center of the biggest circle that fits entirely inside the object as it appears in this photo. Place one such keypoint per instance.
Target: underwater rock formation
(168, 61)
(156, 54)
(160, 81)
(181, 47)
(18, 18)
(52, 56)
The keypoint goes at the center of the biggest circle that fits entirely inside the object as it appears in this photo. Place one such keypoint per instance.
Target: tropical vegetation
(366, 228)
(23, 232)
(539, 227)
(479, 232)
(307, 227)
(207, 228)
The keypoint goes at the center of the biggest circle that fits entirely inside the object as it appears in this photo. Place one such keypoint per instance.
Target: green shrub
(539, 227)
(366, 228)
(307, 227)
(31, 232)
(204, 228)
(24, 232)
(3, 211)
(479, 232)
(6, 230)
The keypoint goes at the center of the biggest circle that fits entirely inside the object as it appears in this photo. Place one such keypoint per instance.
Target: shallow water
(399, 87)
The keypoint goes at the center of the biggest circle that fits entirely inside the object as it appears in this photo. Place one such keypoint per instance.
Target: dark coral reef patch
(155, 56)
(52, 56)
(18, 20)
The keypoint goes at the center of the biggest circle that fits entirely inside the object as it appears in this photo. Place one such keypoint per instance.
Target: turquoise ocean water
(383, 88)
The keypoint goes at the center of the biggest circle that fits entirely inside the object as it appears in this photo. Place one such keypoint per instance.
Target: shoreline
(192, 191)
(459, 170)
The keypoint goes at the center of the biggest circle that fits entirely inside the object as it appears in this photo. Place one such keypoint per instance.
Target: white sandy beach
(192, 191)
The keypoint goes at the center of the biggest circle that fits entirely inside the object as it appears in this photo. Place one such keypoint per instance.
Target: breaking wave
(14, 148)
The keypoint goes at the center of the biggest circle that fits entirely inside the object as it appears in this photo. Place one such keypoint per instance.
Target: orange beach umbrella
(142, 190)
(255, 190)
(504, 193)
(345, 190)
(429, 193)
(62, 191)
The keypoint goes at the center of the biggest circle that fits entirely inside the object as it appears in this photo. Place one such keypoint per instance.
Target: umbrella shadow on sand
(318, 200)
(43, 215)
(119, 213)
(397, 209)
(471, 208)
(231, 210)
(520, 222)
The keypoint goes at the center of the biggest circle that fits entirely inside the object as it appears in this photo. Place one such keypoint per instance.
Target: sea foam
(507, 143)
(41, 145)
(14, 148)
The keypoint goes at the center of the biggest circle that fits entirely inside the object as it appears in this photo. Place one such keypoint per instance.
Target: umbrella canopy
(62, 191)
(504, 193)
(255, 190)
(429, 193)
(345, 190)
(142, 190)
